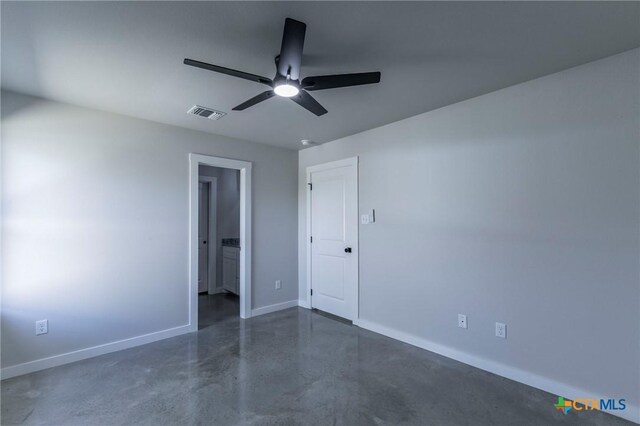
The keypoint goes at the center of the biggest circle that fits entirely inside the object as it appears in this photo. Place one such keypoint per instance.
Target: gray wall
(95, 225)
(227, 209)
(520, 206)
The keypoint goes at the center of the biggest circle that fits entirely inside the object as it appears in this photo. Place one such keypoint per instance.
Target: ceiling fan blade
(322, 82)
(306, 101)
(255, 100)
(228, 71)
(291, 50)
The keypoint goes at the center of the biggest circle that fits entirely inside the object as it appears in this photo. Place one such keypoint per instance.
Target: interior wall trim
(69, 357)
(273, 308)
(631, 413)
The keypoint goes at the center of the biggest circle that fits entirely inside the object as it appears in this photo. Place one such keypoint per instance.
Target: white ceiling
(126, 57)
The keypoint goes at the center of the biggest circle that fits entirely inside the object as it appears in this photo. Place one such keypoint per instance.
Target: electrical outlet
(501, 330)
(42, 327)
(462, 321)
(278, 284)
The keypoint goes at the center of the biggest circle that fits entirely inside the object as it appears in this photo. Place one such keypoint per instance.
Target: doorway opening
(218, 244)
(220, 240)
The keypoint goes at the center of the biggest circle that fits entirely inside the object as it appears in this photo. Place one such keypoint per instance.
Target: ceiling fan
(286, 82)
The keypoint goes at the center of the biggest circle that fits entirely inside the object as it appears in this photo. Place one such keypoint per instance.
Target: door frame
(351, 161)
(195, 160)
(212, 249)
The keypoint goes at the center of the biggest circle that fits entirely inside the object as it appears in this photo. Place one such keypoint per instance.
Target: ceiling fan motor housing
(287, 82)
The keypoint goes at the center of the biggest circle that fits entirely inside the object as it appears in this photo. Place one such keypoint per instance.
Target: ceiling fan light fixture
(286, 82)
(286, 90)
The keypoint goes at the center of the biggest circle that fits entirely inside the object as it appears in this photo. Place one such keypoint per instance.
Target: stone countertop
(231, 242)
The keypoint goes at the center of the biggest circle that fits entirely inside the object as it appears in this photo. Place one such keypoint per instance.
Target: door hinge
(310, 186)
(312, 292)
(310, 239)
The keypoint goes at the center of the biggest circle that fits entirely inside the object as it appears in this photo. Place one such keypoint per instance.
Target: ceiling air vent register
(205, 112)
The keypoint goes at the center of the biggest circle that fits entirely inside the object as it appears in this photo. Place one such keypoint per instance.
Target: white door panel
(334, 228)
(329, 204)
(203, 235)
(330, 273)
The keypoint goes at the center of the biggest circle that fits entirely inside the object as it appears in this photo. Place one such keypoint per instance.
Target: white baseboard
(69, 357)
(273, 308)
(304, 304)
(631, 413)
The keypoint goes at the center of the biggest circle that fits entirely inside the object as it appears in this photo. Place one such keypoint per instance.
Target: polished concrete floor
(291, 367)
(214, 308)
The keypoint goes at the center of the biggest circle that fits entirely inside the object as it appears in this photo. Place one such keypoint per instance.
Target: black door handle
(347, 250)
(204, 242)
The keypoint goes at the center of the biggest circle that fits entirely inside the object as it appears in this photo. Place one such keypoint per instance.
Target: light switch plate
(368, 218)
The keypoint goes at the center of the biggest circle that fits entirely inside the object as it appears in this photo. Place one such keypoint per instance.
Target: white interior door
(334, 237)
(203, 235)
